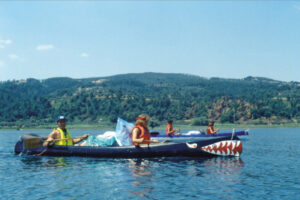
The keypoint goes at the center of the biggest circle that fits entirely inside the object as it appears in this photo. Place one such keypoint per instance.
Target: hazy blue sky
(80, 39)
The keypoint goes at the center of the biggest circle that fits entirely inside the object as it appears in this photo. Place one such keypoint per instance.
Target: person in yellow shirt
(61, 135)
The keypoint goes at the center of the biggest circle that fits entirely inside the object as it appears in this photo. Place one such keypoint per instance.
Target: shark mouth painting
(225, 148)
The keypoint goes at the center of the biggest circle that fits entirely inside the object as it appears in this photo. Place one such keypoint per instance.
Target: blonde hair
(142, 119)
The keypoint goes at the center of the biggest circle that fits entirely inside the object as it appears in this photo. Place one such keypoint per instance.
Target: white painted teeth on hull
(225, 148)
(222, 144)
(232, 153)
(233, 145)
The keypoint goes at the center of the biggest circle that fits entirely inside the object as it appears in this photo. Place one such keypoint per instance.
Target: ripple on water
(267, 169)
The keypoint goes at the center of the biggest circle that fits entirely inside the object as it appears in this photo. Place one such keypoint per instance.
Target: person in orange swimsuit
(210, 129)
(170, 130)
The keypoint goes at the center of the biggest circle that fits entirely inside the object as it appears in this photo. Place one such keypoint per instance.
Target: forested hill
(161, 96)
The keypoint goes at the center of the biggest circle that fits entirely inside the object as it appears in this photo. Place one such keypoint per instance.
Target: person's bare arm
(77, 140)
(214, 131)
(135, 133)
(172, 132)
(152, 141)
(178, 130)
(169, 132)
(50, 140)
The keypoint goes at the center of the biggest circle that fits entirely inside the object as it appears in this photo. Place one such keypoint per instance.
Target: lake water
(269, 168)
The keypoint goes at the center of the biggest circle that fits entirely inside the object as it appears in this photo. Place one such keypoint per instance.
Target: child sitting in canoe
(210, 129)
(170, 130)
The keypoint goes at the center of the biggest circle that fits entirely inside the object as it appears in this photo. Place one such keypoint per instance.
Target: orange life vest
(144, 134)
(210, 130)
(169, 129)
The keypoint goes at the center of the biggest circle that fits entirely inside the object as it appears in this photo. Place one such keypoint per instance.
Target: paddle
(165, 141)
(31, 143)
(156, 141)
(154, 133)
(35, 142)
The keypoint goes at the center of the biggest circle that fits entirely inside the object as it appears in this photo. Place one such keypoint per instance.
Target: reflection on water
(55, 162)
(147, 172)
(139, 178)
(224, 163)
(140, 168)
(33, 177)
(225, 169)
(141, 172)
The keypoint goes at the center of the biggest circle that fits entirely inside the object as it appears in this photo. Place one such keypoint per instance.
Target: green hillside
(186, 98)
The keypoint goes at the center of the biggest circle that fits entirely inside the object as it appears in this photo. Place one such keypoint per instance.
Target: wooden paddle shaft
(67, 138)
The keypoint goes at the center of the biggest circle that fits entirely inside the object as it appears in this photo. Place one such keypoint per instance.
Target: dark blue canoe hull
(238, 133)
(220, 146)
(196, 137)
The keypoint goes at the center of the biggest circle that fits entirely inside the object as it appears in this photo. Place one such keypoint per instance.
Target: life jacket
(210, 130)
(144, 134)
(68, 142)
(169, 129)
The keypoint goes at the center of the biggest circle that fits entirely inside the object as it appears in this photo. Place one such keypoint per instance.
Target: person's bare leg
(83, 143)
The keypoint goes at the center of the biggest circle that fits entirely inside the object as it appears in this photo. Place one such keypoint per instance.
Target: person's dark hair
(170, 121)
(211, 123)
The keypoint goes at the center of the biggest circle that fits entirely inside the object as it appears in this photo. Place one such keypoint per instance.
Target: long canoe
(196, 136)
(31, 144)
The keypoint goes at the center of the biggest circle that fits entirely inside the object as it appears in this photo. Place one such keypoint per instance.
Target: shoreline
(161, 127)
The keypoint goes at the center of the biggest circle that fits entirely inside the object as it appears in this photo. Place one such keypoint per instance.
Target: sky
(83, 39)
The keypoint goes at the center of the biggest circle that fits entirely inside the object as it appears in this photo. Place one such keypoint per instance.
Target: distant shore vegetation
(191, 101)
(161, 126)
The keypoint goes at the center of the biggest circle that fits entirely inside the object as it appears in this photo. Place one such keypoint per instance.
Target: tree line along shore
(162, 127)
(191, 101)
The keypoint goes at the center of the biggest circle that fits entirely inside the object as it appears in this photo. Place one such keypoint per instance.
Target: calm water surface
(269, 168)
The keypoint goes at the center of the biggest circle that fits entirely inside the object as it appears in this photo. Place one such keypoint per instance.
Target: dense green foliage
(161, 96)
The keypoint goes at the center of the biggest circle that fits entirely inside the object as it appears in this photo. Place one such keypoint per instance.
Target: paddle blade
(31, 143)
